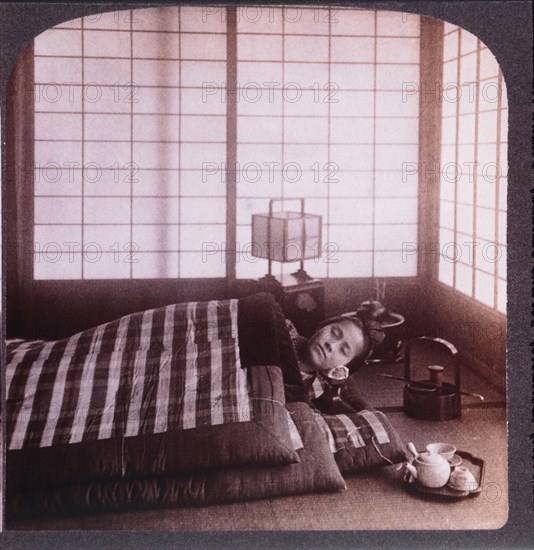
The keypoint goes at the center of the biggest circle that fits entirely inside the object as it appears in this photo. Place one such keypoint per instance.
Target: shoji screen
(323, 114)
(324, 111)
(474, 171)
(122, 132)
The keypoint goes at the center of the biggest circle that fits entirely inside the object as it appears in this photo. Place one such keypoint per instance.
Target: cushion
(362, 441)
(265, 439)
(316, 471)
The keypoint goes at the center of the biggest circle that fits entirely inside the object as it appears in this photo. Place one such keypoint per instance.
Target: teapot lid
(431, 458)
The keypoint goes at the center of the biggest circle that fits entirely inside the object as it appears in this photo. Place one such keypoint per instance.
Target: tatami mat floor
(374, 500)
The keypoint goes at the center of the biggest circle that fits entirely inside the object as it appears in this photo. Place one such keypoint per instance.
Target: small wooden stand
(301, 301)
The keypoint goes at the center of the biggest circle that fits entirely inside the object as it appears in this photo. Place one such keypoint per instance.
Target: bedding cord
(378, 450)
(270, 400)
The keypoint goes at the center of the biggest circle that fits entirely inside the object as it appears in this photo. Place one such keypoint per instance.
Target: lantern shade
(286, 236)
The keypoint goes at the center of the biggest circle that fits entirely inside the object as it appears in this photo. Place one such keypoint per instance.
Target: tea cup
(462, 479)
(446, 450)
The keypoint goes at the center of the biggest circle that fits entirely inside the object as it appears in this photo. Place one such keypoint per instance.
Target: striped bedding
(183, 404)
(172, 368)
(361, 441)
(343, 431)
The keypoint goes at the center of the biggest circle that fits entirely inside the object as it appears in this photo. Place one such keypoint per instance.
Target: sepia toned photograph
(255, 273)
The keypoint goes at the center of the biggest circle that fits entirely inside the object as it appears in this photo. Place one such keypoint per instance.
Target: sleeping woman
(345, 340)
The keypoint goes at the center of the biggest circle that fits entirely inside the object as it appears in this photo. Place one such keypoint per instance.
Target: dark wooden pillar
(430, 87)
(18, 193)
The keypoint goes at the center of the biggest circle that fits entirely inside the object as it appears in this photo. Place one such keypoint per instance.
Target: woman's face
(335, 344)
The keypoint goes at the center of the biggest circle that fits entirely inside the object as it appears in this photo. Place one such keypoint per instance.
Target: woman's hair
(373, 335)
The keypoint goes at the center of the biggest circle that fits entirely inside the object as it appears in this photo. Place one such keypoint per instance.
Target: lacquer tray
(476, 467)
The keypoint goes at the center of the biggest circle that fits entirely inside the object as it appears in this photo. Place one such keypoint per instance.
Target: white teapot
(430, 470)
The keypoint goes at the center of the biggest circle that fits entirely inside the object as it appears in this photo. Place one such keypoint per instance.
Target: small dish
(456, 460)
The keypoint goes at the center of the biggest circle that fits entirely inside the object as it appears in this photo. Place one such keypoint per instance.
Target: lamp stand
(300, 275)
(270, 279)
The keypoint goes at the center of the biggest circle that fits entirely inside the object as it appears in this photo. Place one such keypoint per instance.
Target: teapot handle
(412, 470)
(412, 449)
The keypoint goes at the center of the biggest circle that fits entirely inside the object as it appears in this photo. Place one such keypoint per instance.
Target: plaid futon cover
(171, 368)
(356, 430)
